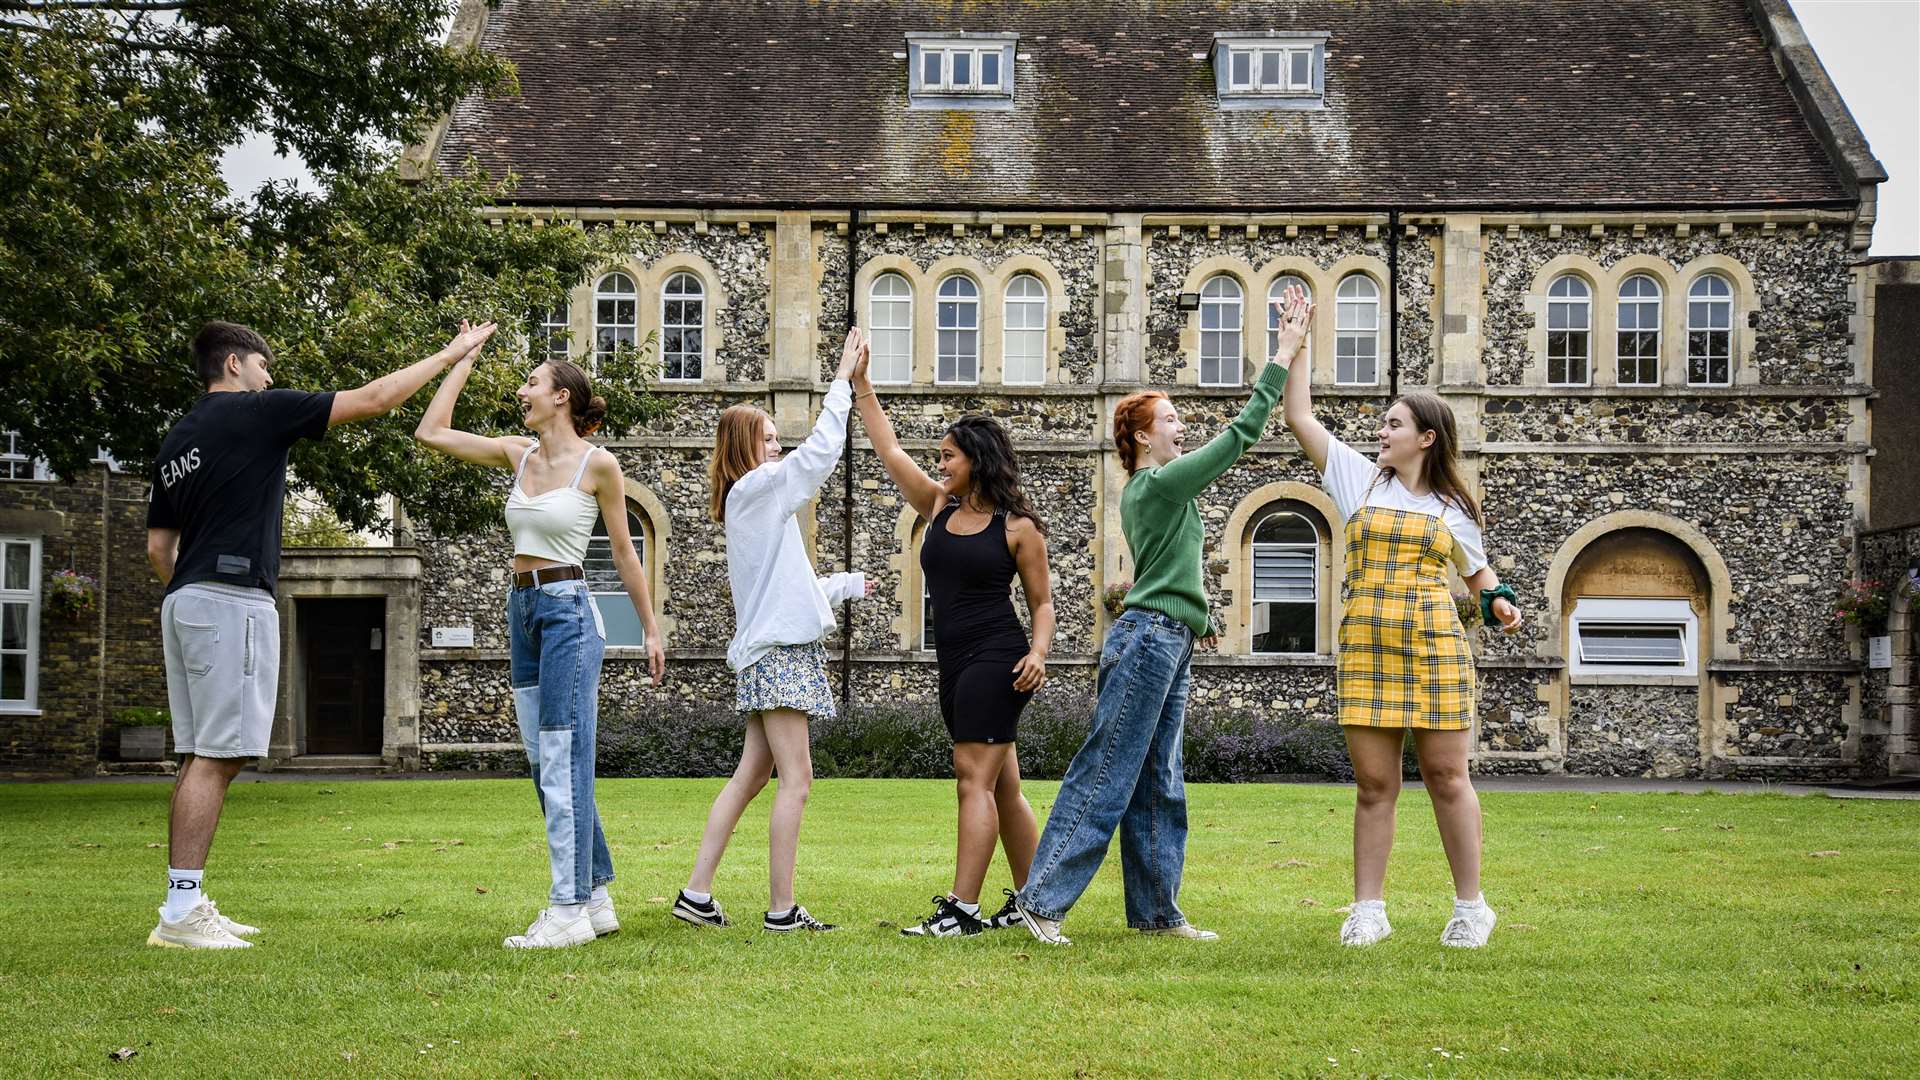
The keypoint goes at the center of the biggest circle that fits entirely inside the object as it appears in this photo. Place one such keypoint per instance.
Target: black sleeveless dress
(977, 637)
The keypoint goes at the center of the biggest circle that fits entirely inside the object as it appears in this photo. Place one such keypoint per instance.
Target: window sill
(1628, 679)
(13, 710)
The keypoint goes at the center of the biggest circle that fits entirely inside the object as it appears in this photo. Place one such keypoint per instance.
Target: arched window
(1221, 304)
(1569, 331)
(1286, 582)
(1274, 292)
(1710, 331)
(616, 316)
(548, 334)
(1025, 351)
(604, 585)
(1637, 341)
(1632, 599)
(890, 317)
(1356, 327)
(683, 324)
(957, 348)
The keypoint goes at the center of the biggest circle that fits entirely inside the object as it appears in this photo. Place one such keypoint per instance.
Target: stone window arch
(1286, 590)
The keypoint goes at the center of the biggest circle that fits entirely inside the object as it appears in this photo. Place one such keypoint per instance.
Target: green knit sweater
(1162, 524)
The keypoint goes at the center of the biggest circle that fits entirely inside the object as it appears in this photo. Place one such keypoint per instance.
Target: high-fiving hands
(1296, 318)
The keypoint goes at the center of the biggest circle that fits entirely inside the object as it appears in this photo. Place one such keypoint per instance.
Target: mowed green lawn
(1643, 935)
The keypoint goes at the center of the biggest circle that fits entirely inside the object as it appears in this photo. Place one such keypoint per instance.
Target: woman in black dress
(981, 531)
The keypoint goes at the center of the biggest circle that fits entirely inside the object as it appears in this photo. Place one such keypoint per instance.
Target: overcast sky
(1871, 48)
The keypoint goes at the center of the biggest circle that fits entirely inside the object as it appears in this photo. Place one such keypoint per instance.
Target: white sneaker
(199, 929)
(237, 929)
(1366, 924)
(1046, 931)
(550, 931)
(600, 915)
(1184, 930)
(1469, 928)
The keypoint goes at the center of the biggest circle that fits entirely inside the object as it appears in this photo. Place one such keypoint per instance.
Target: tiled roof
(1430, 103)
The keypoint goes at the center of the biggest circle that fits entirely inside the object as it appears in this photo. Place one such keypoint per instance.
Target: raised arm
(925, 494)
(1296, 406)
(800, 474)
(609, 489)
(437, 431)
(383, 394)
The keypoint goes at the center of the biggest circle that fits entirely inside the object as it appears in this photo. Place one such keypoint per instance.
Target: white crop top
(554, 524)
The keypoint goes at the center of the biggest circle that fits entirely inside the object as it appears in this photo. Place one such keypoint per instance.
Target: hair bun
(588, 420)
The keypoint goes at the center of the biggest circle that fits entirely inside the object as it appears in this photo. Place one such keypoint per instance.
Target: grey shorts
(222, 644)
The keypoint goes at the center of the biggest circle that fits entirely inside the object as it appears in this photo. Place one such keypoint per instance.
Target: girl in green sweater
(1128, 774)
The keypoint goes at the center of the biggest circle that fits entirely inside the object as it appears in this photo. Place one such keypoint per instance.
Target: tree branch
(33, 6)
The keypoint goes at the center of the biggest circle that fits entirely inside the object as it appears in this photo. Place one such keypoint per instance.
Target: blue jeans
(555, 669)
(1127, 775)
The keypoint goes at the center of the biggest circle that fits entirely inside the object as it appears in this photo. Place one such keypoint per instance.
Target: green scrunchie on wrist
(1488, 596)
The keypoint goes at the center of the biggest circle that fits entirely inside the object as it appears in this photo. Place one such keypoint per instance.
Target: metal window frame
(1667, 614)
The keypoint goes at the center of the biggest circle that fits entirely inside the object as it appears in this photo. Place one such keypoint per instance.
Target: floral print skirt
(789, 677)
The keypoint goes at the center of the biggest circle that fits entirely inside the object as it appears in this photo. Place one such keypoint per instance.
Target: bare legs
(776, 739)
(1456, 808)
(991, 806)
(198, 795)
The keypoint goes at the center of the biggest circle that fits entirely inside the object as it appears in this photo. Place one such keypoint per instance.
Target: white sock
(971, 909)
(697, 897)
(787, 914)
(1376, 905)
(569, 911)
(599, 894)
(183, 893)
(1474, 904)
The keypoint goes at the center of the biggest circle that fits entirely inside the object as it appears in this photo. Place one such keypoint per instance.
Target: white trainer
(237, 929)
(199, 929)
(550, 931)
(600, 915)
(1366, 924)
(1045, 930)
(1469, 928)
(1184, 930)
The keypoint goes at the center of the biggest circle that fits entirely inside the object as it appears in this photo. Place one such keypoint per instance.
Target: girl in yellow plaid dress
(1403, 661)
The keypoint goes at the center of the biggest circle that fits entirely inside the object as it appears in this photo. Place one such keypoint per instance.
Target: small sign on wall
(453, 637)
(1880, 652)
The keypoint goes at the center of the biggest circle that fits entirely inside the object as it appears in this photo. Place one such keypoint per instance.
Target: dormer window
(960, 71)
(1270, 69)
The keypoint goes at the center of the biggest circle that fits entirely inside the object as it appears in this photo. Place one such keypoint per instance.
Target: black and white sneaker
(1008, 915)
(949, 919)
(795, 919)
(707, 914)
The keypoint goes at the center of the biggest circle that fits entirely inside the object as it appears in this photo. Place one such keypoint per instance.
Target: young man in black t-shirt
(213, 536)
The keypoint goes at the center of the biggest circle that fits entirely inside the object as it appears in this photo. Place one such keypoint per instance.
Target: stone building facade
(1657, 358)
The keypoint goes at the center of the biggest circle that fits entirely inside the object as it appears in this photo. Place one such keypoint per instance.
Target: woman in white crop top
(562, 483)
(1404, 665)
(781, 611)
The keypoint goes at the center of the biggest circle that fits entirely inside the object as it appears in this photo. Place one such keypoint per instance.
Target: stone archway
(1903, 742)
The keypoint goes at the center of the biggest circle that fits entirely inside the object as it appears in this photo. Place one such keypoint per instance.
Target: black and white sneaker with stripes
(1008, 915)
(687, 909)
(949, 919)
(795, 918)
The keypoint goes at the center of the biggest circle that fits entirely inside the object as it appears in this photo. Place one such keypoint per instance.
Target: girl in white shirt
(781, 611)
(1404, 662)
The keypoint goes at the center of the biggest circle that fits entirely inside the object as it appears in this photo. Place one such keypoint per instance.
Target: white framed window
(954, 69)
(966, 70)
(549, 335)
(1270, 70)
(1024, 353)
(19, 623)
(617, 613)
(1356, 330)
(1285, 615)
(890, 318)
(957, 344)
(1274, 292)
(1569, 331)
(1710, 331)
(1633, 636)
(1637, 332)
(1222, 304)
(683, 327)
(16, 465)
(616, 316)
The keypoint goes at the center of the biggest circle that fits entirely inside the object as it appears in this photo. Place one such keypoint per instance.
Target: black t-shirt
(221, 480)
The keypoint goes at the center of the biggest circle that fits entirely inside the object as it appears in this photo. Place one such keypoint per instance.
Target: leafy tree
(118, 238)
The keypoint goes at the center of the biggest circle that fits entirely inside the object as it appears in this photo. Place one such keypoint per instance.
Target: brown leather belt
(547, 575)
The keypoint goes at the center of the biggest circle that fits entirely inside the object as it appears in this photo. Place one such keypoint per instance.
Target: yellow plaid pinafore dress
(1404, 661)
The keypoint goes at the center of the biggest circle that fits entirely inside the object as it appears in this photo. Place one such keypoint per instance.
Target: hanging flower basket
(70, 594)
(1114, 598)
(1863, 604)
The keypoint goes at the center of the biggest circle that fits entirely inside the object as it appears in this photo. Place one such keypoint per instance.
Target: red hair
(1131, 416)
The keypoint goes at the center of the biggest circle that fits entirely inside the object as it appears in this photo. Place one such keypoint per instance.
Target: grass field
(1643, 935)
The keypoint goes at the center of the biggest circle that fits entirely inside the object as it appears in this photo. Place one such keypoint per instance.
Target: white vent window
(1270, 69)
(960, 71)
(1634, 636)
